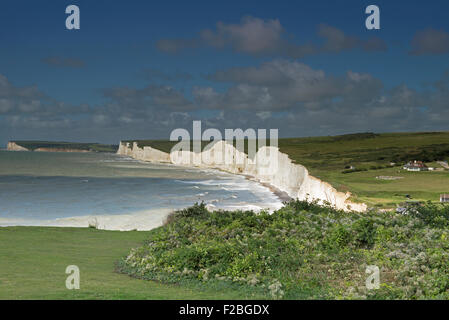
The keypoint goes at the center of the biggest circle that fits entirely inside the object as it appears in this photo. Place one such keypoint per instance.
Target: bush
(301, 251)
(365, 232)
(435, 215)
(354, 170)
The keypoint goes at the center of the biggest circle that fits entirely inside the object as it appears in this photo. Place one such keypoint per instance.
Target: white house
(415, 166)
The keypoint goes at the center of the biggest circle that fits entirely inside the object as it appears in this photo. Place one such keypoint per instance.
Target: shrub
(301, 251)
(365, 232)
(354, 170)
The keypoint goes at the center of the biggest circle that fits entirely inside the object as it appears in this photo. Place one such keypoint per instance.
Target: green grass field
(327, 158)
(33, 262)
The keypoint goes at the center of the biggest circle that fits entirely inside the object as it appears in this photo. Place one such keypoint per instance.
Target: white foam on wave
(119, 159)
(228, 182)
(141, 221)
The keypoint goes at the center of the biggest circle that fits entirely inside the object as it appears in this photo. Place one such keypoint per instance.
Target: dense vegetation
(94, 147)
(301, 251)
(370, 155)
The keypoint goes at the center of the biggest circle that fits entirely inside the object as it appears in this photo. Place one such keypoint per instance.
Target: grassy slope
(326, 158)
(33, 262)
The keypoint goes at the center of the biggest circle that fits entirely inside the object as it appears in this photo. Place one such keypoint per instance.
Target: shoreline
(281, 195)
(290, 181)
(140, 221)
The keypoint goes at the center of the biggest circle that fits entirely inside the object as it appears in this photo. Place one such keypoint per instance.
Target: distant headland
(50, 146)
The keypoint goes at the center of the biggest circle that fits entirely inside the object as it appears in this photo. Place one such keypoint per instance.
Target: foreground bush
(302, 251)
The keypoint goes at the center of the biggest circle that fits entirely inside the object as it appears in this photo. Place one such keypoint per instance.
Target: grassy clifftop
(373, 155)
(302, 251)
(324, 154)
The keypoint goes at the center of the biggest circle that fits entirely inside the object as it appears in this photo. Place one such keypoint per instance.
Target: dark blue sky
(119, 69)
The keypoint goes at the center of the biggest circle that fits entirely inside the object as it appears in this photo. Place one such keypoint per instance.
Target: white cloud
(256, 36)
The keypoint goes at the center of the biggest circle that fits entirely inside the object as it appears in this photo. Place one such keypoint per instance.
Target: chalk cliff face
(144, 154)
(12, 146)
(268, 166)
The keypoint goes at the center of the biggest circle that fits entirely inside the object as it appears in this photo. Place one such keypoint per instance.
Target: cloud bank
(255, 36)
(284, 94)
(430, 42)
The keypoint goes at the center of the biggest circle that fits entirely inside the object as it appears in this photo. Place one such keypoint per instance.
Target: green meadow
(376, 155)
(33, 261)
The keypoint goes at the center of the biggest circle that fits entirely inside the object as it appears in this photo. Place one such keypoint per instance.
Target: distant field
(95, 147)
(328, 157)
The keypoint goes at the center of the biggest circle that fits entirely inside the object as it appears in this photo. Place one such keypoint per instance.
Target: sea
(113, 192)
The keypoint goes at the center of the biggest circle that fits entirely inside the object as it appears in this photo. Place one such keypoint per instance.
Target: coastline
(48, 146)
(290, 181)
(288, 187)
(282, 195)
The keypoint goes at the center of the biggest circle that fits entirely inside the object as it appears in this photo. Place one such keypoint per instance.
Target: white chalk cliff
(12, 146)
(283, 174)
